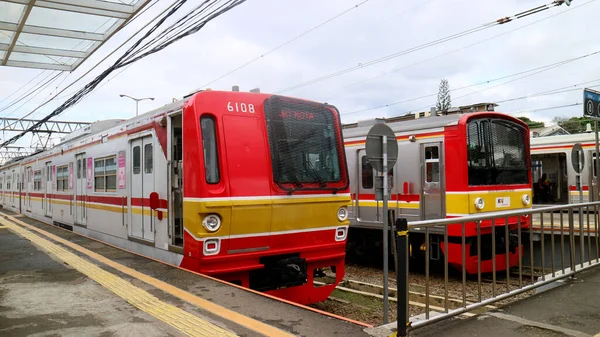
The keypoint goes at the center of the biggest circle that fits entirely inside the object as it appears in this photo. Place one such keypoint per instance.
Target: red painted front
(455, 150)
(245, 171)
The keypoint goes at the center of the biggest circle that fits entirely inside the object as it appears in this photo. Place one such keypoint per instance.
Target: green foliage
(573, 124)
(444, 101)
(532, 124)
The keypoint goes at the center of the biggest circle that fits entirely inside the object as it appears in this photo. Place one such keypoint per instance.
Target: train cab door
(28, 187)
(80, 188)
(48, 190)
(432, 181)
(15, 189)
(142, 184)
(247, 167)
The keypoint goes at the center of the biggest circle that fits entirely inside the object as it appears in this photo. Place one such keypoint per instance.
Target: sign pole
(382, 151)
(385, 230)
(597, 162)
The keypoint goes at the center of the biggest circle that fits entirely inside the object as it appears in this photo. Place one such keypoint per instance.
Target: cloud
(370, 31)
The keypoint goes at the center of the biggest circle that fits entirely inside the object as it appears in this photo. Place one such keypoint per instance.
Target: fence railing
(539, 246)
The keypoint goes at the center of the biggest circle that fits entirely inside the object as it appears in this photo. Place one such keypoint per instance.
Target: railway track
(360, 294)
(416, 299)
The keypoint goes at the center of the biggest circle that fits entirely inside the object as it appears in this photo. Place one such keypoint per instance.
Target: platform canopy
(59, 34)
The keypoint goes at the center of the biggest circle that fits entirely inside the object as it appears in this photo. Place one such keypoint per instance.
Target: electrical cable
(529, 73)
(132, 55)
(285, 43)
(482, 27)
(452, 51)
(99, 62)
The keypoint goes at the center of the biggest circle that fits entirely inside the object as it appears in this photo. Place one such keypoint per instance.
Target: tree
(531, 124)
(573, 124)
(444, 101)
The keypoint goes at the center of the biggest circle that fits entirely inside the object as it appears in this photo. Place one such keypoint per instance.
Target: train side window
(432, 162)
(209, 145)
(78, 168)
(367, 173)
(148, 158)
(137, 160)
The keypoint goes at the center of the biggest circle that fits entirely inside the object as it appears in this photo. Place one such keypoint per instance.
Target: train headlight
(342, 213)
(479, 203)
(526, 199)
(211, 222)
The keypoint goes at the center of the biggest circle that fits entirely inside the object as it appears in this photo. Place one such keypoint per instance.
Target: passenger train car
(448, 166)
(551, 156)
(250, 188)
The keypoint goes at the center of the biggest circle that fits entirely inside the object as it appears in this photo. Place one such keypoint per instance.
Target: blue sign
(591, 103)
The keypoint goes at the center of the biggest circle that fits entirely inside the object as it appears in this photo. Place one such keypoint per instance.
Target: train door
(28, 187)
(433, 181)
(142, 184)
(48, 190)
(176, 180)
(15, 189)
(239, 133)
(366, 209)
(594, 192)
(80, 188)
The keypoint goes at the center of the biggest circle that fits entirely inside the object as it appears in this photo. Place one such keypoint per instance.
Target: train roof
(406, 125)
(563, 139)
(362, 128)
(100, 127)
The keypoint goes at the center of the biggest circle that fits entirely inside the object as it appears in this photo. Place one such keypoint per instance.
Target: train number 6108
(240, 107)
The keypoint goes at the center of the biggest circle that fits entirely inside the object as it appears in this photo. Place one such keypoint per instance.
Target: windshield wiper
(316, 174)
(294, 177)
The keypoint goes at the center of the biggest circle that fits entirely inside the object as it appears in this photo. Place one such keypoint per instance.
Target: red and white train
(250, 188)
(448, 166)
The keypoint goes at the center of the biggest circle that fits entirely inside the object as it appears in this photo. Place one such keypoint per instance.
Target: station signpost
(591, 109)
(382, 151)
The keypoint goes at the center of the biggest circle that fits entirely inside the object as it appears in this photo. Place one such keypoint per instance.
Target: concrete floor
(40, 295)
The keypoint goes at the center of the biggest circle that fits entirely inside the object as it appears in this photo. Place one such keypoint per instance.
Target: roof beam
(37, 65)
(97, 4)
(72, 34)
(15, 37)
(44, 51)
(17, 124)
(93, 7)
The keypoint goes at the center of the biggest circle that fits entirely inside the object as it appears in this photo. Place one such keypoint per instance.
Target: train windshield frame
(305, 142)
(497, 152)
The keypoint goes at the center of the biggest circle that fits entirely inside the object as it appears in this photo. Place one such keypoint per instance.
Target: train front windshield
(497, 153)
(304, 141)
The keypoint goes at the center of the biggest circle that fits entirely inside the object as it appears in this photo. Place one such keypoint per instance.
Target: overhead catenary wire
(528, 73)
(454, 50)
(23, 86)
(34, 91)
(103, 59)
(132, 55)
(482, 27)
(285, 43)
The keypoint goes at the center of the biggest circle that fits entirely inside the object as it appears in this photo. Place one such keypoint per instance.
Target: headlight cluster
(479, 203)
(526, 199)
(212, 222)
(342, 213)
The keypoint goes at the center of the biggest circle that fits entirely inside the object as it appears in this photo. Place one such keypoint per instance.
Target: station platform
(54, 282)
(572, 308)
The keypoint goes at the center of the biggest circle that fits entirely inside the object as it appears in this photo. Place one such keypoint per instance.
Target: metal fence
(560, 241)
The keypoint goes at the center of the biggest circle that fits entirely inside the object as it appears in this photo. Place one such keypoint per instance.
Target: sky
(369, 30)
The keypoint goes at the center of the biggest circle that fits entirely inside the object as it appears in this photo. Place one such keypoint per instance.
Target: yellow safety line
(3, 227)
(181, 320)
(250, 323)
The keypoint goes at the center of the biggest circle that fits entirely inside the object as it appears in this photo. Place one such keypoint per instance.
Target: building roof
(59, 34)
